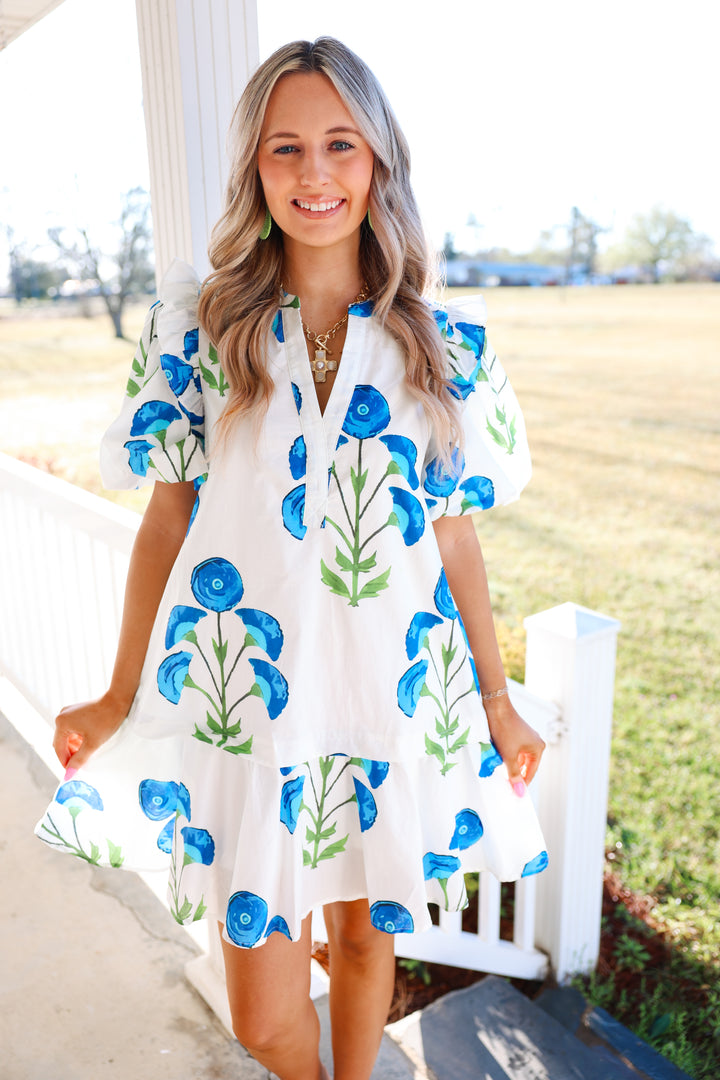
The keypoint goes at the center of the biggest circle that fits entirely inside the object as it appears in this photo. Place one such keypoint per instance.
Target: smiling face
(315, 167)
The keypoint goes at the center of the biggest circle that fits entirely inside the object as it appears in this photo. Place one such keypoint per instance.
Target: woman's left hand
(518, 744)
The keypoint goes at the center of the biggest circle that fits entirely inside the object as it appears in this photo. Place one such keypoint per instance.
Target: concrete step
(596, 1028)
(490, 1031)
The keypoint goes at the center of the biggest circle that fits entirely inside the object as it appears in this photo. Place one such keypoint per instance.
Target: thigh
(350, 928)
(269, 984)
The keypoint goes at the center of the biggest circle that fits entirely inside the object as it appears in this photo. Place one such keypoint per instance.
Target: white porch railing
(63, 561)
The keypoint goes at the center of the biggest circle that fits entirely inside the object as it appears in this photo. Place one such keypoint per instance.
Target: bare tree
(122, 273)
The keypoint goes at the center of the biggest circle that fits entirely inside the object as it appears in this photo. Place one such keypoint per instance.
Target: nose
(314, 168)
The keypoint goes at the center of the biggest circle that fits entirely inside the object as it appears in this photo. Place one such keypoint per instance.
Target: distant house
(485, 273)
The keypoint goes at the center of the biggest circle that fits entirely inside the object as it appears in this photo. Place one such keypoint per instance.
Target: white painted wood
(63, 561)
(17, 16)
(196, 56)
(451, 922)
(571, 661)
(489, 910)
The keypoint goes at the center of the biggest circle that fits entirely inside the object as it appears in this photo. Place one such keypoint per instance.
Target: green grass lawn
(621, 393)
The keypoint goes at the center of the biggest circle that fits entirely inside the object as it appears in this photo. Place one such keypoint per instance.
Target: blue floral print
(368, 413)
(443, 598)
(404, 454)
(198, 845)
(138, 450)
(416, 637)
(169, 801)
(439, 866)
(177, 372)
(298, 458)
(160, 799)
(278, 926)
(181, 621)
(246, 918)
(263, 630)
(75, 797)
(536, 865)
(154, 417)
(408, 515)
(217, 585)
(411, 686)
(468, 830)
(479, 493)
(434, 678)
(293, 512)
(438, 480)
(489, 760)
(76, 794)
(391, 917)
(291, 798)
(171, 676)
(272, 685)
(367, 807)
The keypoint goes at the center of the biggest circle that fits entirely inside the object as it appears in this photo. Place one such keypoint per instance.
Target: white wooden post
(571, 661)
(196, 56)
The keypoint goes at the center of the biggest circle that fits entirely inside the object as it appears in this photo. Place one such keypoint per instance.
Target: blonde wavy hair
(239, 298)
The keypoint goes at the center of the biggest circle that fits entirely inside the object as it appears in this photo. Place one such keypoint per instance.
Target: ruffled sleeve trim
(160, 432)
(494, 464)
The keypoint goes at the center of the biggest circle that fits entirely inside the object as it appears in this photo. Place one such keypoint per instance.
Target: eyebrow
(330, 131)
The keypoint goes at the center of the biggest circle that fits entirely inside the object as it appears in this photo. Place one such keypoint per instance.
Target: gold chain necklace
(321, 365)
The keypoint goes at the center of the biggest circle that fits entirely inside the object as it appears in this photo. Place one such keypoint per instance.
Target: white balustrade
(63, 561)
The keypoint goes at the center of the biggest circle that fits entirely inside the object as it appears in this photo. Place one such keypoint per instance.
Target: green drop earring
(267, 225)
(369, 221)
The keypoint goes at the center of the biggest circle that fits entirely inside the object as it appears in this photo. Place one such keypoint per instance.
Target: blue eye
(285, 150)
(342, 144)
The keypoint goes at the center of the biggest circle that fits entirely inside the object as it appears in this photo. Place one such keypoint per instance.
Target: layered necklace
(321, 365)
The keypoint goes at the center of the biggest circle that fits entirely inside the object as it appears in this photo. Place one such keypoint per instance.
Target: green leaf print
(372, 588)
(354, 561)
(333, 849)
(115, 854)
(335, 583)
(132, 389)
(321, 809)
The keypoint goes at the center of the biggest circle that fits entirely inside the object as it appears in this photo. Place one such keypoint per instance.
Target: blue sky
(514, 112)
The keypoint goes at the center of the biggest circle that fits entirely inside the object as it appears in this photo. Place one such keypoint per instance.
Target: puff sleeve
(160, 431)
(494, 464)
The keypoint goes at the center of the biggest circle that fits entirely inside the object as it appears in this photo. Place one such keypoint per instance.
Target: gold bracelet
(495, 693)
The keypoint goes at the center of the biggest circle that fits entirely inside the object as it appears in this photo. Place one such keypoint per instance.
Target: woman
(296, 663)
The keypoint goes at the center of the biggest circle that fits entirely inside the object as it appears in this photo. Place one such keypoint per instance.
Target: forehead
(305, 99)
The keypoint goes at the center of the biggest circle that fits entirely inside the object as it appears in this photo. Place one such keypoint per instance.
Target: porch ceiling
(17, 16)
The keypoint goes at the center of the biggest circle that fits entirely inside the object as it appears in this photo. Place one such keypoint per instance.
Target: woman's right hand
(81, 729)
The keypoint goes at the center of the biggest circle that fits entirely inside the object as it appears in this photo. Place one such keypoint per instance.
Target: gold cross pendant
(321, 365)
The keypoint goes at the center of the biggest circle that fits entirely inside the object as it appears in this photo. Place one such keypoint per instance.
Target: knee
(259, 1030)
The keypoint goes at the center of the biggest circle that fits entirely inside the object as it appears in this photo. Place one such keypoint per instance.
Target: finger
(80, 757)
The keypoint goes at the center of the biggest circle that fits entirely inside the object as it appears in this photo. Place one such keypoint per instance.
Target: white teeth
(318, 207)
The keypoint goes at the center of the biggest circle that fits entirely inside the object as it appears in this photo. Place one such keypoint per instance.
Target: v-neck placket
(321, 431)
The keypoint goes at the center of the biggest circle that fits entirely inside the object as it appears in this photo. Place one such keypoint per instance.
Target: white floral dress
(307, 727)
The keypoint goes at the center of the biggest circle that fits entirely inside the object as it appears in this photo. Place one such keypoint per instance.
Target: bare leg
(273, 1016)
(362, 976)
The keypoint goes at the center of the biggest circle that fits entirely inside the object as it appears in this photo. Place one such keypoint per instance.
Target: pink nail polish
(519, 788)
(69, 773)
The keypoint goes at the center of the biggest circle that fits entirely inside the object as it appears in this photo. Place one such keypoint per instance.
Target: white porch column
(196, 56)
(571, 662)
